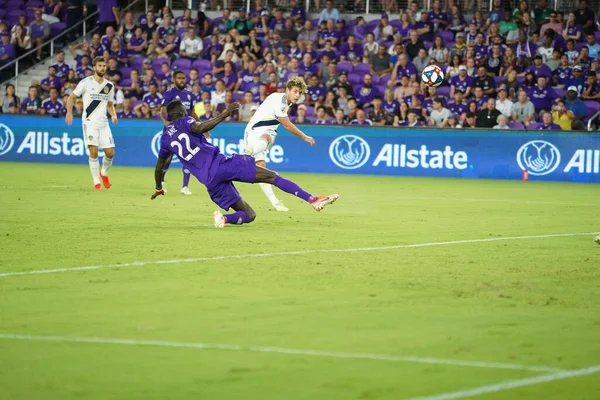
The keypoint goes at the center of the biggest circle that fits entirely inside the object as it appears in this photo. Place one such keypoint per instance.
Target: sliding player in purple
(178, 92)
(185, 138)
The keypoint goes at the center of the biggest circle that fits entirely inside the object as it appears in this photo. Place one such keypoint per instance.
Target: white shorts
(252, 138)
(100, 137)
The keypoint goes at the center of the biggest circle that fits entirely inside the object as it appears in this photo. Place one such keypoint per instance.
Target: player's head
(294, 88)
(99, 66)
(176, 110)
(179, 79)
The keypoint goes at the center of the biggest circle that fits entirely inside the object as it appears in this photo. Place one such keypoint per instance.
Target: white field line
(35, 187)
(508, 385)
(280, 350)
(292, 253)
(493, 201)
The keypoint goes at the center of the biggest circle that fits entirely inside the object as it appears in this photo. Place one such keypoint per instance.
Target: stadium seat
(57, 28)
(125, 71)
(238, 96)
(136, 103)
(592, 107)
(354, 78)
(560, 93)
(14, 14)
(310, 110)
(498, 80)
(381, 89)
(443, 91)
(371, 25)
(344, 67)
(534, 126)
(158, 62)
(125, 82)
(35, 4)
(202, 64)
(376, 79)
(15, 4)
(3, 12)
(447, 37)
(579, 45)
(520, 79)
(362, 69)
(138, 62)
(181, 63)
(396, 23)
(516, 125)
(384, 80)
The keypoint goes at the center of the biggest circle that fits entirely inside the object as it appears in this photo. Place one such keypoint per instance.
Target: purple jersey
(175, 94)
(54, 82)
(7, 49)
(106, 11)
(481, 102)
(229, 79)
(407, 71)
(480, 51)
(81, 72)
(460, 84)
(542, 98)
(365, 95)
(298, 12)
(329, 35)
(153, 101)
(409, 101)
(457, 108)
(53, 108)
(595, 88)
(106, 41)
(427, 105)
(276, 25)
(543, 70)
(311, 69)
(441, 16)
(563, 74)
(573, 30)
(39, 30)
(246, 78)
(392, 108)
(126, 114)
(134, 41)
(314, 92)
(295, 53)
(353, 53)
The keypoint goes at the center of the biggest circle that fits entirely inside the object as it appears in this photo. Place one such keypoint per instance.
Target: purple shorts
(240, 168)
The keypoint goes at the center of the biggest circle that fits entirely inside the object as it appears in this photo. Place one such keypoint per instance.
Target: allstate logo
(538, 157)
(349, 152)
(7, 139)
(155, 145)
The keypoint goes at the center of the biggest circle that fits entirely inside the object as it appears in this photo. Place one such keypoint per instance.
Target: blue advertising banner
(491, 154)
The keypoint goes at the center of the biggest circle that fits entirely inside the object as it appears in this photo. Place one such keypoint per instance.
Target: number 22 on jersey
(183, 137)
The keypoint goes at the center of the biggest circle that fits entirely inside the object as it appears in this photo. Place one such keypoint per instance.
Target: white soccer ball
(432, 76)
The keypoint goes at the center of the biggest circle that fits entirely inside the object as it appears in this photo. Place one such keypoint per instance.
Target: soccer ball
(432, 76)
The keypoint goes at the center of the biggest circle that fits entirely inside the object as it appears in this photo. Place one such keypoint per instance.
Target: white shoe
(322, 201)
(185, 190)
(280, 207)
(219, 219)
(597, 239)
(164, 188)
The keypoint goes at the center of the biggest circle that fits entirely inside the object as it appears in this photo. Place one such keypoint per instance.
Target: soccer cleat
(97, 186)
(185, 190)
(322, 201)
(597, 239)
(105, 180)
(219, 219)
(164, 188)
(280, 207)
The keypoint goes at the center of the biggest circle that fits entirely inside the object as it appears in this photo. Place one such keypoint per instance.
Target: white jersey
(266, 118)
(95, 99)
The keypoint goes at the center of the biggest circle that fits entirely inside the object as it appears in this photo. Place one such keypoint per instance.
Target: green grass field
(431, 321)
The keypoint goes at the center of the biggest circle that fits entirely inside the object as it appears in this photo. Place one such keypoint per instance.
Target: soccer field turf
(400, 290)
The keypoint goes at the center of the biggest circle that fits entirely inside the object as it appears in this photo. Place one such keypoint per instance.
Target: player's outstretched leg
(186, 182)
(109, 153)
(264, 175)
(95, 166)
(244, 214)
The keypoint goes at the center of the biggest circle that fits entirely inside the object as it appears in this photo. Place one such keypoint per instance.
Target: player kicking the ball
(261, 130)
(185, 138)
(98, 97)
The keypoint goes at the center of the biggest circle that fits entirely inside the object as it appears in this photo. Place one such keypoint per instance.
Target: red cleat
(105, 181)
(322, 201)
(97, 186)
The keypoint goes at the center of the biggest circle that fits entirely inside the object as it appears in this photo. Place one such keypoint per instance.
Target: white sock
(261, 146)
(95, 169)
(268, 190)
(106, 163)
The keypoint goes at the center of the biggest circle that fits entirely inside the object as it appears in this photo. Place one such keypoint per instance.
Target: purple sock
(237, 218)
(291, 188)
(186, 177)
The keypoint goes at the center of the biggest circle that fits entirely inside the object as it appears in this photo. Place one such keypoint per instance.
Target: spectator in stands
(380, 63)
(523, 111)
(593, 47)
(459, 48)
(462, 82)
(339, 118)
(424, 27)
(40, 32)
(128, 27)
(7, 49)
(316, 92)
(242, 24)
(321, 116)
(503, 103)
(288, 34)
(493, 62)
(361, 119)
(551, 24)
(439, 113)
(70, 83)
(107, 39)
(52, 105)
(561, 116)
(479, 98)
(227, 102)
(584, 16)
(297, 13)
(401, 116)
(328, 12)
(330, 77)
(245, 111)
(20, 40)
(509, 62)
(438, 51)
(108, 14)
(32, 103)
(421, 61)
(485, 82)
(10, 102)
(377, 114)
(136, 44)
(384, 31)
(414, 45)
(389, 104)
(575, 105)
(127, 111)
(218, 95)
(366, 93)
(277, 23)
(76, 11)
(547, 123)
(191, 46)
(412, 120)
(458, 105)
(578, 126)
(153, 98)
(572, 29)
(501, 122)
(150, 26)
(488, 117)
(61, 68)
(308, 34)
(591, 87)
(542, 96)
(453, 121)
(135, 88)
(470, 120)
(50, 81)
(112, 70)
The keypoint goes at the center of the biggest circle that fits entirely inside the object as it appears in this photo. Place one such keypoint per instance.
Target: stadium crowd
(528, 67)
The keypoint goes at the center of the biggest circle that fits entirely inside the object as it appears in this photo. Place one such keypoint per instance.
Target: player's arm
(287, 124)
(163, 115)
(69, 107)
(112, 112)
(205, 126)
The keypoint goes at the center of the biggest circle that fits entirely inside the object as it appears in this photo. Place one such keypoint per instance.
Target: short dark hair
(175, 108)
(178, 72)
(97, 60)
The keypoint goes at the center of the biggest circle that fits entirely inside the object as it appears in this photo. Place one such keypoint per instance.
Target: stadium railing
(52, 43)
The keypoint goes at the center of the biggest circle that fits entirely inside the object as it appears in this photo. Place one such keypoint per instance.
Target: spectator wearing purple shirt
(127, 111)
(136, 44)
(108, 14)
(31, 104)
(591, 88)
(40, 32)
(166, 27)
(52, 106)
(50, 81)
(538, 68)
(359, 30)
(390, 105)
(307, 66)
(547, 124)
(229, 77)
(361, 119)
(524, 49)
(562, 74)
(542, 96)
(97, 48)
(479, 98)
(351, 51)
(403, 68)
(458, 105)
(438, 17)
(107, 39)
(316, 92)
(365, 94)
(213, 50)
(424, 27)
(62, 69)
(298, 12)
(153, 98)
(7, 50)
(277, 23)
(461, 82)
(329, 34)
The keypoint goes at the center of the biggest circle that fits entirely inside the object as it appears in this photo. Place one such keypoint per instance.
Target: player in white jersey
(98, 98)
(261, 131)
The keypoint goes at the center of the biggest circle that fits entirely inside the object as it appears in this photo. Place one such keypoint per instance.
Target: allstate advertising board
(490, 154)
